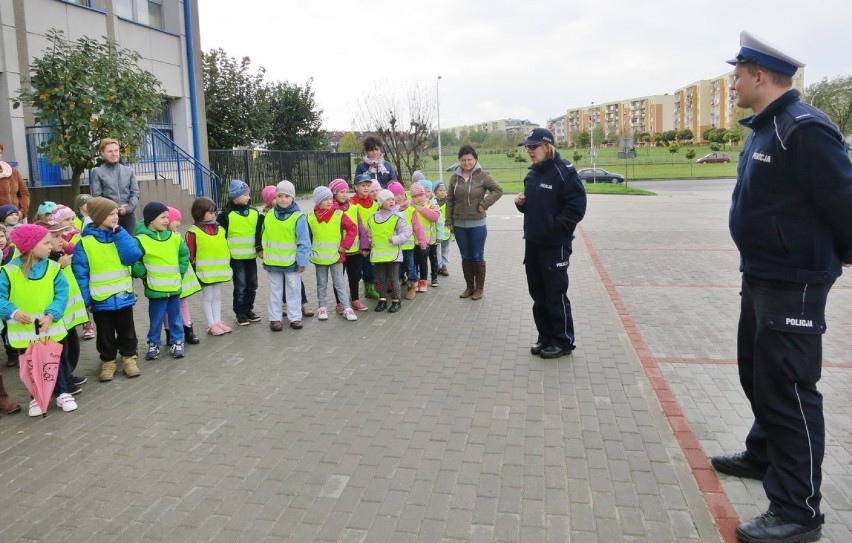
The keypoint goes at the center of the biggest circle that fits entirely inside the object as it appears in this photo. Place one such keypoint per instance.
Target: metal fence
(306, 169)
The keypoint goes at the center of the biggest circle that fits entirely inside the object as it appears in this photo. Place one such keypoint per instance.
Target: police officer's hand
(520, 198)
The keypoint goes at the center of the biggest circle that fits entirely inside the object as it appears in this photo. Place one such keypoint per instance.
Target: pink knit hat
(396, 188)
(417, 189)
(375, 185)
(27, 236)
(61, 212)
(174, 214)
(338, 185)
(268, 194)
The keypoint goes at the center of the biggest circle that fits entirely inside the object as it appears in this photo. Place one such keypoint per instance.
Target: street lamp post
(438, 101)
(592, 151)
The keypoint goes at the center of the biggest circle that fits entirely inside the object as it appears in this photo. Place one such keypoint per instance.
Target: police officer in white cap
(789, 218)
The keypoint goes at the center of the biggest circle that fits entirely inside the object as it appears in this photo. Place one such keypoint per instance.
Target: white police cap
(753, 49)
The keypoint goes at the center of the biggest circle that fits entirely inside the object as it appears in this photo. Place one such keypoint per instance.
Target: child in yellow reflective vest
(101, 266)
(444, 234)
(34, 291)
(427, 215)
(189, 286)
(242, 230)
(332, 234)
(164, 262)
(388, 231)
(209, 255)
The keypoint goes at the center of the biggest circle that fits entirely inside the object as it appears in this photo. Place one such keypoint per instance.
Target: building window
(146, 12)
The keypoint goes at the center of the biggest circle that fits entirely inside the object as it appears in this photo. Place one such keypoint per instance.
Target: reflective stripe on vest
(352, 213)
(409, 218)
(107, 275)
(32, 296)
(326, 238)
(75, 309)
(282, 251)
(380, 233)
(212, 258)
(240, 235)
(189, 285)
(162, 271)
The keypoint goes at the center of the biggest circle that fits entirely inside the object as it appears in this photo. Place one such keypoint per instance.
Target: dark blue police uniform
(555, 201)
(789, 218)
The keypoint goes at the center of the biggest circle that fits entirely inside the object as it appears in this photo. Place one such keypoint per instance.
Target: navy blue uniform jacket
(555, 201)
(791, 209)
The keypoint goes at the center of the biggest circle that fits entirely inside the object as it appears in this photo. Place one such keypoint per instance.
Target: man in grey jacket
(117, 182)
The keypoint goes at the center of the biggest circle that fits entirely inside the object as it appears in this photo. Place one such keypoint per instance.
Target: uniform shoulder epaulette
(800, 114)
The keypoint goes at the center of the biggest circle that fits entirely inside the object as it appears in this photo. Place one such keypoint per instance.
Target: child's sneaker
(434, 281)
(253, 317)
(322, 314)
(224, 327)
(339, 309)
(421, 285)
(358, 305)
(153, 352)
(66, 402)
(214, 330)
(35, 409)
(307, 310)
(395, 306)
(88, 331)
(349, 314)
(177, 350)
(242, 321)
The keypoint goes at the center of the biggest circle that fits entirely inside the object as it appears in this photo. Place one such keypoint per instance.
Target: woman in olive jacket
(472, 191)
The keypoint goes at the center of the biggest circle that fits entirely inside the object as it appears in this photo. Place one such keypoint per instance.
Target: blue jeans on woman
(471, 242)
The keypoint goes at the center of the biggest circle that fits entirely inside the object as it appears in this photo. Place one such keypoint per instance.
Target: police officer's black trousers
(547, 280)
(779, 354)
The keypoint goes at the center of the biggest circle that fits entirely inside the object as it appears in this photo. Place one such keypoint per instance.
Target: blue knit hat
(426, 184)
(7, 210)
(45, 207)
(238, 188)
(438, 184)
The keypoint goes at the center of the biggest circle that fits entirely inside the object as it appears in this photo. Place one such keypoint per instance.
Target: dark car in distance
(599, 175)
(714, 158)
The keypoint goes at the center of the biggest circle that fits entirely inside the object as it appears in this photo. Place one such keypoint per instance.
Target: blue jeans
(409, 266)
(245, 286)
(157, 309)
(471, 242)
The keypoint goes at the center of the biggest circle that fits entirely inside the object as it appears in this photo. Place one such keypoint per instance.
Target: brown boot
(7, 405)
(467, 269)
(478, 280)
(130, 367)
(412, 290)
(107, 370)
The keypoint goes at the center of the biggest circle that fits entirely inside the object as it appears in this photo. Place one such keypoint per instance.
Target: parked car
(714, 158)
(599, 175)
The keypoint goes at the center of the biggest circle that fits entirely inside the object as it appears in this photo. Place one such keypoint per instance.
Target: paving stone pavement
(434, 424)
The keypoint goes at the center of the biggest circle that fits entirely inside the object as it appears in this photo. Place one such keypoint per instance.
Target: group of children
(56, 269)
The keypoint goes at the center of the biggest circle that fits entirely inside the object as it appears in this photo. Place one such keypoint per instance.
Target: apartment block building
(623, 117)
(159, 30)
(510, 127)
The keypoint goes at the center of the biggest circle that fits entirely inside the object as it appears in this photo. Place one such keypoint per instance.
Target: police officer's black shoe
(555, 351)
(770, 528)
(536, 347)
(739, 465)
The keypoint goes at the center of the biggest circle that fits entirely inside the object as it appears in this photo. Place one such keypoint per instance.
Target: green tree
(732, 136)
(236, 101)
(834, 97)
(89, 90)
(685, 135)
(477, 137)
(581, 138)
(690, 153)
(349, 143)
(296, 120)
(577, 157)
(715, 147)
(674, 149)
(599, 134)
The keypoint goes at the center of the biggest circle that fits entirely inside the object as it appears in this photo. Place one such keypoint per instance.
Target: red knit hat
(27, 236)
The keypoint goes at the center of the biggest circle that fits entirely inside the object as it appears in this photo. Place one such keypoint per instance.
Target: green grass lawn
(650, 163)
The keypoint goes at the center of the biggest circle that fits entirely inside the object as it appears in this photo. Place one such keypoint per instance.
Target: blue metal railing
(159, 157)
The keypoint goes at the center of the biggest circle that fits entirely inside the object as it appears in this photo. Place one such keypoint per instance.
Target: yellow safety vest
(409, 218)
(447, 232)
(75, 309)
(78, 224)
(279, 239)
(107, 275)
(326, 238)
(189, 284)
(241, 230)
(212, 258)
(380, 234)
(161, 260)
(352, 213)
(32, 296)
(366, 212)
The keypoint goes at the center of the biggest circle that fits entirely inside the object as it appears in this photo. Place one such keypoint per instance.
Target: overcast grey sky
(503, 59)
